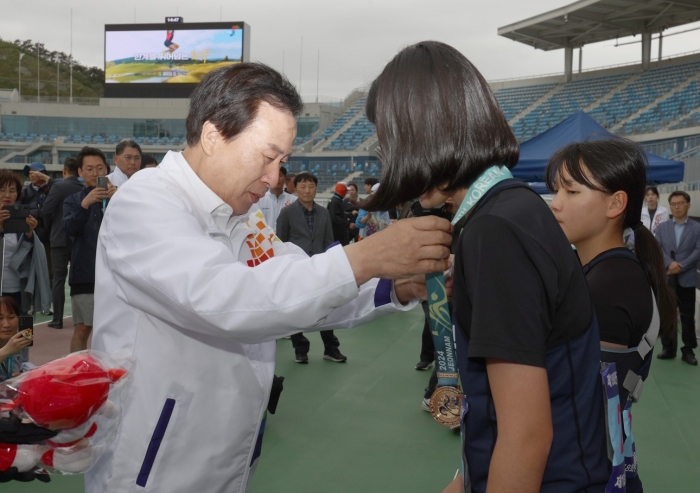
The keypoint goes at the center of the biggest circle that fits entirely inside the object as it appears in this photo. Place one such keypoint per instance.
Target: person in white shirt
(276, 199)
(653, 214)
(127, 161)
(194, 286)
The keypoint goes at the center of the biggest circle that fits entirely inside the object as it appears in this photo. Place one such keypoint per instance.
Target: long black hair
(609, 166)
(438, 124)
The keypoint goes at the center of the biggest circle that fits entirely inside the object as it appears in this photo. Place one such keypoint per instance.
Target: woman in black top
(527, 346)
(600, 188)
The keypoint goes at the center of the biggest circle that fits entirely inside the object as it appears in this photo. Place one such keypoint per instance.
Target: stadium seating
(642, 92)
(571, 98)
(516, 99)
(345, 117)
(353, 136)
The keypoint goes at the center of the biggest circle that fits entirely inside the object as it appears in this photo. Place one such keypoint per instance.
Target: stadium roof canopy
(590, 21)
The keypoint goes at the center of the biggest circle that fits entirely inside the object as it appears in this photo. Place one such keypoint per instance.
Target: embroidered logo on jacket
(260, 242)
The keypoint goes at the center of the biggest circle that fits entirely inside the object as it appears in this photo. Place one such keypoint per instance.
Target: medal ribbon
(440, 318)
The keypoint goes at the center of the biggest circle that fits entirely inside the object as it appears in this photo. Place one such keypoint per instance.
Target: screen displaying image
(170, 56)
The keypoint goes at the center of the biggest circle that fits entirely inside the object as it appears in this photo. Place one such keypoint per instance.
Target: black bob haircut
(90, 151)
(127, 143)
(438, 124)
(230, 98)
(305, 176)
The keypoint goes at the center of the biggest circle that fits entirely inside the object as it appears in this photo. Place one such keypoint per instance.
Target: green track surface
(358, 426)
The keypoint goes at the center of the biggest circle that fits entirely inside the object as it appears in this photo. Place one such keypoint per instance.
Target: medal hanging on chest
(446, 401)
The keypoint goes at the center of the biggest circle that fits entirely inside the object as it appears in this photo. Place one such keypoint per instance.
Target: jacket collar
(208, 200)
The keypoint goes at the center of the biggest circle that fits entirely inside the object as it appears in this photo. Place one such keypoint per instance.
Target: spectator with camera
(82, 216)
(127, 160)
(34, 194)
(52, 214)
(25, 272)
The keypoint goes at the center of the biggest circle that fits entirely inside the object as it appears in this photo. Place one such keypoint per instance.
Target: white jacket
(174, 288)
(660, 216)
(271, 206)
(117, 177)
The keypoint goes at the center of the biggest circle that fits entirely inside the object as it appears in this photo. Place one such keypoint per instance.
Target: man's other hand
(418, 245)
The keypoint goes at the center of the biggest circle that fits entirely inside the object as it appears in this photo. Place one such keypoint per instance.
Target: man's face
(128, 161)
(679, 207)
(290, 184)
(368, 189)
(306, 191)
(93, 166)
(240, 171)
(352, 193)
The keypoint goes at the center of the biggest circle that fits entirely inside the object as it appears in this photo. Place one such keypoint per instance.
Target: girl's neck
(592, 247)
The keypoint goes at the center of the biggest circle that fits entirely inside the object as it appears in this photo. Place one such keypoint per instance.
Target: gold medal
(446, 406)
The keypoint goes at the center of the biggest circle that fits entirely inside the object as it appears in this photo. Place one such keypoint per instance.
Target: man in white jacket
(194, 285)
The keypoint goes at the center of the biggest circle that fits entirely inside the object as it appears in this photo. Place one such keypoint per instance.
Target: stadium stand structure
(660, 107)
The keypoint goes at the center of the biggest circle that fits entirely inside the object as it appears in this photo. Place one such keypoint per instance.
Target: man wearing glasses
(680, 242)
(127, 158)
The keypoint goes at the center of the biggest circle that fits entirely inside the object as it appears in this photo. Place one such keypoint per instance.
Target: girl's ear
(617, 203)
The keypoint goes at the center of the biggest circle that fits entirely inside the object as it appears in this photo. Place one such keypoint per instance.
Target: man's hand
(38, 174)
(410, 247)
(95, 196)
(414, 288)
(352, 226)
(674, 268)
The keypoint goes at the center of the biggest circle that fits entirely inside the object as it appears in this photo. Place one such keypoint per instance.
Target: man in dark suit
(308, 226)
(52, 214)
(680, 242)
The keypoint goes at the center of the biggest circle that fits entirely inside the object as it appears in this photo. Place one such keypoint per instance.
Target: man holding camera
(82, 217)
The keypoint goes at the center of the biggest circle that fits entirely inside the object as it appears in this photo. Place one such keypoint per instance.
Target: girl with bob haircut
(527, 344)
(600, 187)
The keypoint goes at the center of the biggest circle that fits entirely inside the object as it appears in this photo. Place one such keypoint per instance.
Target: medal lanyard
(440, 318)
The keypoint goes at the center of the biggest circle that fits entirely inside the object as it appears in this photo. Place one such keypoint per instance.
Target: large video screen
(169, 54)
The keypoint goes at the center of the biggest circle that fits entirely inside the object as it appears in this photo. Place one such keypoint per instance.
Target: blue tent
(535, 153)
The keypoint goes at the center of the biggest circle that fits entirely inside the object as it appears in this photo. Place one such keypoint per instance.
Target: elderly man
(127, 160)
(195, 286)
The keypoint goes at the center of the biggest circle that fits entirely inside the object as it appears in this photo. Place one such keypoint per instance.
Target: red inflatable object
(66, 393)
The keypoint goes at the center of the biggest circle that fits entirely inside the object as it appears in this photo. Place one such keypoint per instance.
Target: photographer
(25, 272)
(82, 217)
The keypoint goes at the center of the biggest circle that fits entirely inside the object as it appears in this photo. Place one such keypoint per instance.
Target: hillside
(88, 82)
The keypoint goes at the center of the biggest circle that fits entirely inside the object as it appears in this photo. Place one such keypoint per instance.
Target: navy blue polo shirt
(520, 296)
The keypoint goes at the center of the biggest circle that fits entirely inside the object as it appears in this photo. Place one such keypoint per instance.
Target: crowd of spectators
(46, 225)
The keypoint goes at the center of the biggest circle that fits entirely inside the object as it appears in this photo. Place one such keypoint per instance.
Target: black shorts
(167, 43)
